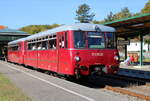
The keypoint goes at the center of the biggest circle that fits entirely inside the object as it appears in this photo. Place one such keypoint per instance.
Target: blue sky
(18, 13)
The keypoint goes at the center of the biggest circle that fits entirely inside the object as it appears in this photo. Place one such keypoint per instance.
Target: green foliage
(124, 13)
(147, 39)
(98, 22)
(110, 17)
(146, 8)
(32, 29)
(136, 14)
(83, 14)
(95, 22)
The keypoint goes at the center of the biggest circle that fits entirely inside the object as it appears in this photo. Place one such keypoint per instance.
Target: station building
(7, 35)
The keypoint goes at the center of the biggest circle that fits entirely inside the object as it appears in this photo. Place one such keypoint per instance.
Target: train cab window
(79, 39)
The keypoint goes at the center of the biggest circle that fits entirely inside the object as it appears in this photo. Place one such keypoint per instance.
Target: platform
(145, 67)
(135, 71)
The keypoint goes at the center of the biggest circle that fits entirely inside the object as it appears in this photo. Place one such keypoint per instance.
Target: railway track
(136, 87)
(124, 91)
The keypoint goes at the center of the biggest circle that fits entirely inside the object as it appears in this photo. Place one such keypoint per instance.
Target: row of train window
(13, 48)
(43, 44)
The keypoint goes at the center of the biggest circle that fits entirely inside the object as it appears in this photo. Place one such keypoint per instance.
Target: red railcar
(78, 49)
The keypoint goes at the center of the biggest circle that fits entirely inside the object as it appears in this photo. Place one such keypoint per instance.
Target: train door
(52, 54)
(63, 54)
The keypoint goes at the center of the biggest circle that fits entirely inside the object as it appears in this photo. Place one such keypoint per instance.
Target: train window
(9, 48)
(95, 40)
(44, 45)
(46, 37)
(54, 36)
(39, 46)
(66, 40)
(79, 39)
(14, 48)
(62, 42)
(29, 46)
(34, 46)
(50, 37)
(19, 47)
(52, 44)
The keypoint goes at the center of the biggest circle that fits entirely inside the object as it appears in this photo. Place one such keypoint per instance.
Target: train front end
(95, 53)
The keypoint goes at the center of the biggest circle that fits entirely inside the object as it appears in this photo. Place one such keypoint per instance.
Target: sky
(19, 13)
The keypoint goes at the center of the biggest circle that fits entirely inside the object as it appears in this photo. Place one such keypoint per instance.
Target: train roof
(16, 41)
(76, 27)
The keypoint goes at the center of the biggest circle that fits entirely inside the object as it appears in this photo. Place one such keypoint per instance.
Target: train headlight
(77, 58)
(116, 58)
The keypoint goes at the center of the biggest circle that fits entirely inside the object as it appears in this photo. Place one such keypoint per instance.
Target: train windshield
(89, 40)
(97, 40)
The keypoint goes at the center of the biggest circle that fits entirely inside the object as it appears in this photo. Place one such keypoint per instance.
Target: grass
(9, 92)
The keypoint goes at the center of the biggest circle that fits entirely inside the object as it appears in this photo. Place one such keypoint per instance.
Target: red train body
(79, 49)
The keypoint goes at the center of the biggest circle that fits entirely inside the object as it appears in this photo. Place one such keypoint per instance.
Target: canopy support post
(141, 49)
(126, 52)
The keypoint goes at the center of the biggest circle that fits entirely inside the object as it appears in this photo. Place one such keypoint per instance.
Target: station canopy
(7, 34)
(132, 26)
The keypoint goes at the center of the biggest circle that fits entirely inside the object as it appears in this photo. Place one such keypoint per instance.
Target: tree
(32, 29)
(110, 17)
(124, 13)
(83, 14)
(146, 8)
(98, 22)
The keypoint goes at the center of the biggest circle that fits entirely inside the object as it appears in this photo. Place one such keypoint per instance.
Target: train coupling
(96, 70)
